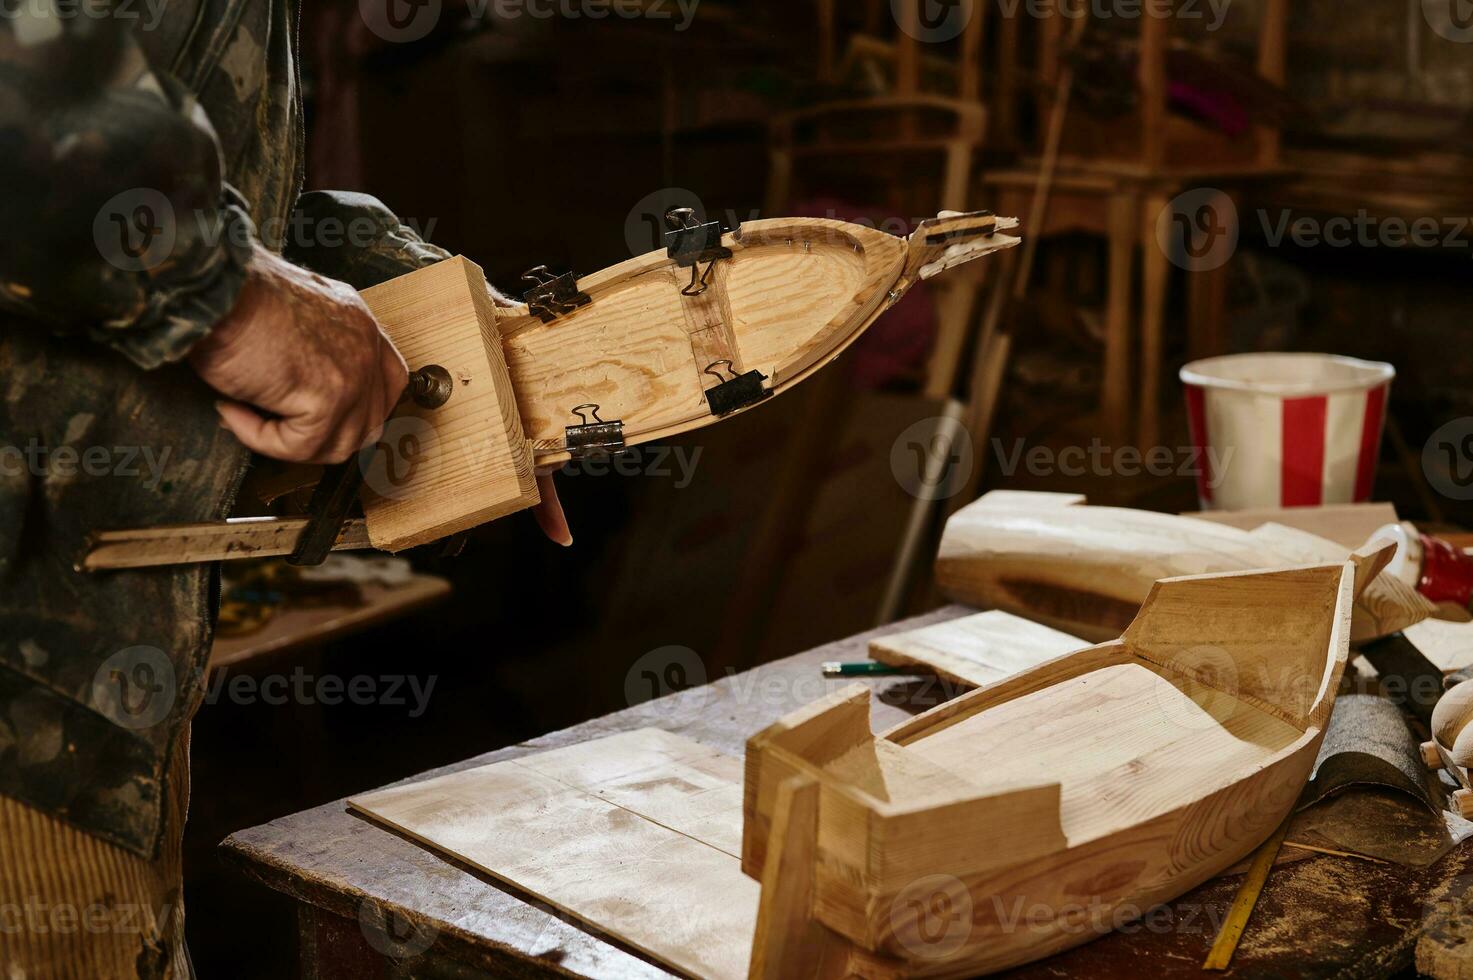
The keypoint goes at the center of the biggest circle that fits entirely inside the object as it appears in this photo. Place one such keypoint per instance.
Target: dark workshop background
(520, 140)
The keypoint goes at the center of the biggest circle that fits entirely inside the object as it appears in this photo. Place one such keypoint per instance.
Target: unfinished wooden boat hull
(794, 293)
(1086, 570)
(1040, 812)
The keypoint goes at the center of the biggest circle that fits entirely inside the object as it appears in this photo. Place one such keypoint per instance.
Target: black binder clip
(552, 296)
(690, 243)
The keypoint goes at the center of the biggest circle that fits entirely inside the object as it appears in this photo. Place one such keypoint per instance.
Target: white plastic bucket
(1286, 430)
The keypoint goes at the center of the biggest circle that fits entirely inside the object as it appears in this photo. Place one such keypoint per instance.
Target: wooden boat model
(719, 321)
(1086, 570)
(1036, 813)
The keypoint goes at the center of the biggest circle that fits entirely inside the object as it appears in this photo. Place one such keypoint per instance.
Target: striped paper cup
(1286, 430)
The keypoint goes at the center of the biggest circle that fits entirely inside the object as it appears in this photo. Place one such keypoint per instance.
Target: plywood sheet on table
(638, 835)
(976, 650)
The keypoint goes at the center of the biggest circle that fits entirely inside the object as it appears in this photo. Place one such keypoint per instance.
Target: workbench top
(1319, 917)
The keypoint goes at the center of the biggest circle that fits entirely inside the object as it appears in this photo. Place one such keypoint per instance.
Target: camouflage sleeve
(356, 239)
(119, 225)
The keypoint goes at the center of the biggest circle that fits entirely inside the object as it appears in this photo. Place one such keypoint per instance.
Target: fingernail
(220, 411)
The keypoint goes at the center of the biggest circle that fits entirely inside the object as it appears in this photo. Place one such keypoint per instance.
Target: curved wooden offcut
(1042, 811)
(1085, 570)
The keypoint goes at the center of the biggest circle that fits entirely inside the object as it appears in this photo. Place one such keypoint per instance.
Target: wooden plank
(447, 470)
(248, 537)
(1350, 525)
(975, 650)
(614, 832)
(789, 941)
(1446, 643)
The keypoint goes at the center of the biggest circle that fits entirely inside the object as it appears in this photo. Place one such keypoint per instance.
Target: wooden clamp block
(447, 470)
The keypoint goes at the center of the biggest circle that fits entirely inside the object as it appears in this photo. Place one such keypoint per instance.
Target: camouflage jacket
(144, 148)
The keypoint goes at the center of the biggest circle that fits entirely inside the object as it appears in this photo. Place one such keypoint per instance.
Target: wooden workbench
(363, 891)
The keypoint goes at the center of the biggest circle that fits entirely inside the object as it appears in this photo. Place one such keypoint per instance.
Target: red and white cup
(1286, 430)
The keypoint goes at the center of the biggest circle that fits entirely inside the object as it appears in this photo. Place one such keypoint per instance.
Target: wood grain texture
(439, 472)
(315, 858)
(634, 834)
(788, 942)
(1086, 570)
(1115, 777)
(1350, 525)
(975, 650)
(794, 295)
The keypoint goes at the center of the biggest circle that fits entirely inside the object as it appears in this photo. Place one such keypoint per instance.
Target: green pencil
(863, 668)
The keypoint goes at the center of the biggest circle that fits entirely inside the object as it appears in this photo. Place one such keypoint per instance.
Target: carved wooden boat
(1039, 812)
(1086, 570)
(790, 296)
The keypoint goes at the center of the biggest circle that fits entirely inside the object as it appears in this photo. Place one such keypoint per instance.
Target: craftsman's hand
(308, 374)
